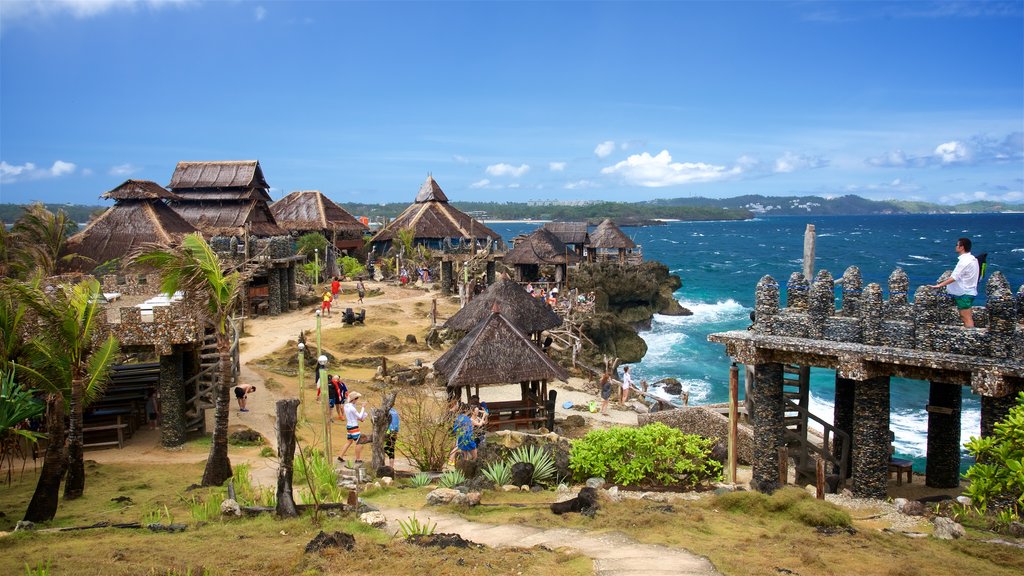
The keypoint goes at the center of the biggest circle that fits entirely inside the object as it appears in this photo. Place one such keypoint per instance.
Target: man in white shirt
(962, 284)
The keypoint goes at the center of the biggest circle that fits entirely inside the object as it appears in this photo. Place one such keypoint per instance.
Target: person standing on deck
(627, 383)
(962, 284)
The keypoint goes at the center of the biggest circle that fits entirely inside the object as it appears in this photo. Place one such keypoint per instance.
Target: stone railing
(929, 323)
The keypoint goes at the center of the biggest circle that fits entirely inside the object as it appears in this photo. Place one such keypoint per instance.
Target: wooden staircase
(804, 450)
(203, 385)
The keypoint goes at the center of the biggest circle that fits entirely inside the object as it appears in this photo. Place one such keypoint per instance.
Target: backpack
(982, 264)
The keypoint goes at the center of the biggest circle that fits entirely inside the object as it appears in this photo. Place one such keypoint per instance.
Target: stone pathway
(614, 554)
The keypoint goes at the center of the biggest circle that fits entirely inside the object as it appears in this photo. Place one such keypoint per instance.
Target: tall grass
(316, 469)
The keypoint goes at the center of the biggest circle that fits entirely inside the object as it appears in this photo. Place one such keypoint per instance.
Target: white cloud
(950, 152)
(580, 185)
(260, 13)
(977, 150)
(790, 162)
(123, 170)
(459, 159)
(604, 149)
(29, 171)
(556, 166)
(79, 8)
(507, 170)
(659, 171)
(960, 197)
(480, 184)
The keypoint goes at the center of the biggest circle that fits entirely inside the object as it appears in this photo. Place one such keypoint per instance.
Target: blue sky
(516, 101)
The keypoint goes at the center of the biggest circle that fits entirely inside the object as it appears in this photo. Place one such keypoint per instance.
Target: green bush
(350, 267)
(997, 477)
(792, 503)
(652, 454)
(498, 472)
(451, 478)
(543, 463)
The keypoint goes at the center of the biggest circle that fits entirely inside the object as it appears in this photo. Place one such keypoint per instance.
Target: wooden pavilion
(529, 314)
(140, 215)
(497, 352)
(224, 198)
(609, 242)
(540, 248)
(573, 234)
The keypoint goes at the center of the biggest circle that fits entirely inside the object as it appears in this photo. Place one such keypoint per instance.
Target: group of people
(348, 405)
(606, 389)
(469, 426)
(331, 294)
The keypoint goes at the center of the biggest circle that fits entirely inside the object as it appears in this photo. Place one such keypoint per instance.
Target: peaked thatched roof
(529, 314)
(214, 218)
(496, 352)
(140, 190)
(220, 198)
(431, 217)
(569, 232)
(306, 210)
(127, 225)
(608, 235)
(540, 247)
(218, 174)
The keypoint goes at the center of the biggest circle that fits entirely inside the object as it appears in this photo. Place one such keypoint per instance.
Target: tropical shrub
(543, 463)
(16, 407)
(997, 477)
(413, 527)
(451, 478)
(652, 454)
(420, 480)
(498, 472)
(350, 267)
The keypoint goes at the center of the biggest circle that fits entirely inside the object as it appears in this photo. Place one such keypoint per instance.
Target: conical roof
(540, 247)
(529, 314)
(139, 190)
(430, 191)
(306, 210)
(496, 352)
(608, 235)
(431, 217)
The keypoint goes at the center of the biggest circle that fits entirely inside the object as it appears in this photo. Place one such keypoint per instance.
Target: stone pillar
(943, 467)
(898, 305)
(852, 285)
(446, 277)
(766, 305)
(822, 304)
(1002, 315)
(172, 400)
(926, 318)
(293, 293)
(797, 292)
(842, 417)
(274, 291)
(871, 315)
(995, 409)
(282, 277)
(871, 438)
(490, 272)
(769, 426)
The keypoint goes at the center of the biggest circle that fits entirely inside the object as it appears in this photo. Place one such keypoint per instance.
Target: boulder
(322, 541)
(442, 496)
(375, 519)
(230, 507)
(671, 386)
(522, 473)
(575, 421)
(585, 502)
(947, 529)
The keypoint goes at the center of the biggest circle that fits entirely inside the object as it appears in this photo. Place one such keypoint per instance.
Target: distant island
(695, 208)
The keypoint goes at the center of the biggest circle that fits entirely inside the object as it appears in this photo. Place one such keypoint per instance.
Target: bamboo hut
(497, 352)
(529, 314)
(224, 198)
(609, 242)
(573, 234)
(435, 224)
(540, 248)
(139, 215)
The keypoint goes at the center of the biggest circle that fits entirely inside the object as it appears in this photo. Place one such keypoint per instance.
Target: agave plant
(498, 472)
(543, 463)
(420, 480)
(451, 479)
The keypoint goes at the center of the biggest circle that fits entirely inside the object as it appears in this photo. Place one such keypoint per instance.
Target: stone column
(293, 294)
(172, 400)
(852, 285)
(995, 409)
(871, 438)
(943, 467)
(822, 304)
(446, 277)
(797, 292)
(766, 305)
(842, 417)
(871, 315)
(490, 272)
(1002, 315)
(897, 307)
(274, 291)
(282, 276)
(769, 426)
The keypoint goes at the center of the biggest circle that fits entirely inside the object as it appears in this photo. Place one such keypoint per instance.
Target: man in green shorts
(962, 284)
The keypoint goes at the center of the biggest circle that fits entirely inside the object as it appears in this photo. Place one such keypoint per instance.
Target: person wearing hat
(354, 414)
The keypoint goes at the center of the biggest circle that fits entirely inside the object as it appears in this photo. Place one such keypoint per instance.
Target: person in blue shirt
(392, 437)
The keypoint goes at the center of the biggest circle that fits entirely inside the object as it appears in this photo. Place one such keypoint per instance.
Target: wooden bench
(116, 425)
(901, 466)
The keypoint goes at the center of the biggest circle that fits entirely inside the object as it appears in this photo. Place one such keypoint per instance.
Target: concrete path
(614, 554)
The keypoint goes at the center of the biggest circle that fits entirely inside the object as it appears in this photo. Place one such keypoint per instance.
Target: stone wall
(703, 422)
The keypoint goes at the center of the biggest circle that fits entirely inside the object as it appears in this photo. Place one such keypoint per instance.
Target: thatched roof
(229, 218)
(221, 174)
(608, 235)
(496, 352)
(307, 210)
(529, 314)
(431, 217)
(569, 232)
(540, 247)
(127, 225)
(140, 190)
(220, 198)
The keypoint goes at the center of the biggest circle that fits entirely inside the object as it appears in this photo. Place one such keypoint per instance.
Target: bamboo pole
(734, 380)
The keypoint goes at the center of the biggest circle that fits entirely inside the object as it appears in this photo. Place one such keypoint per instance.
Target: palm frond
(100, 361)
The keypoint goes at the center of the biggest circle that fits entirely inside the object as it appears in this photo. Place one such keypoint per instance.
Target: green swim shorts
(964, 302)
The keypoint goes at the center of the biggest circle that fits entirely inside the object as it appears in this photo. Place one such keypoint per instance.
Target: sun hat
(354, 396)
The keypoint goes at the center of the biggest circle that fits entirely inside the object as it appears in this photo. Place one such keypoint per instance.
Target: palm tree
(70, 354)
(37, 240)
(194, 268)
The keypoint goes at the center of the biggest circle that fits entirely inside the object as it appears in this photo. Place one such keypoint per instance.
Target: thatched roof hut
(572, 234)
(540, 248)
(139, 216)
(609, 239)
(435, 223)
(220, 198)
(527, 313)
(305, 211)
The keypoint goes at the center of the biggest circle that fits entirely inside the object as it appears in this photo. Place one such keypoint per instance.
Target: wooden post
(433, 312)
(734, 384)
(783, 466)
(380, 418)
(809, 240)
(820, 479)
(302, 376)
(286, 421)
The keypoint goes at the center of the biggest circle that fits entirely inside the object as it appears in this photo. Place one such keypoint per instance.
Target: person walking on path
(627, 383)
(354, 414)
(962, 284)
(360, 289)
(337, 394)
(392, 437)
(606, 392)
(335, 288)
(242, 392)
(325, 308)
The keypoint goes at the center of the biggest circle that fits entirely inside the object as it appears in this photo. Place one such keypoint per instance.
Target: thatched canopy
(569, 232)
(139, 216)
(309, 210)
(220, 198)
(496, 352)
(230, 218)
(433, 220)
(540, 247)
(608, 235)
(527, 313)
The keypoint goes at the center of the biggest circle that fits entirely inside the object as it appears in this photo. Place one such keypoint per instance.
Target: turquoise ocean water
(721, 262)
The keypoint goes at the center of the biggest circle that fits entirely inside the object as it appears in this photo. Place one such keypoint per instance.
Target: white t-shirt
(353, 416)
(627, 380)
(965, 276)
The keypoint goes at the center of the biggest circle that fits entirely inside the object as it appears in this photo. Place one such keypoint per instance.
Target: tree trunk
(380, 417)
(43, 506)
(287, 418)
(74, 487)
(218, 466)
